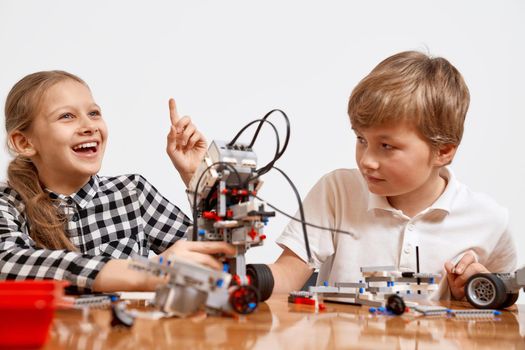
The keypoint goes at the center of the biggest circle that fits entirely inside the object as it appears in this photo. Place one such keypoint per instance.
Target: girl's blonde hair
(47, 225)
(410, 86)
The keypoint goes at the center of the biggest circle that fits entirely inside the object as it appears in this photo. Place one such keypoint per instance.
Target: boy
(408, 116)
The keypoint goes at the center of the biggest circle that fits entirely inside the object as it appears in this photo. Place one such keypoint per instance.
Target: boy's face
(68, 136)
(395, 160)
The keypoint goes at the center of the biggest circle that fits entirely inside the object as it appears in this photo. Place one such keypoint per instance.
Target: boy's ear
(21, 144)
(445, 154)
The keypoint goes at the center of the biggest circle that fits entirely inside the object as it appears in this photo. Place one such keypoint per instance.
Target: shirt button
(408, 249)
(410, 227)
(69, 201)
(75, 217)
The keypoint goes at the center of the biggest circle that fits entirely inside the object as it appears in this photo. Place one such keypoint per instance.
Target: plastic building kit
(495, 290)
(380, 283)
(225, 207)
(191, 286)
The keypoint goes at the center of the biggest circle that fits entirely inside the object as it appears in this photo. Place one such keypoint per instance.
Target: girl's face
(68, 137)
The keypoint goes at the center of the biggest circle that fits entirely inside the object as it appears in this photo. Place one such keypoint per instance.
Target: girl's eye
(66, 116)
(94, 114)
(361, 140)
(387, 146)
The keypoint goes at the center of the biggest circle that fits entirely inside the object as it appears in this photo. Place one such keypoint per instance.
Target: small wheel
(395, 304)
(262, 279)
(485, 291)
(244, 299)
(510, 300)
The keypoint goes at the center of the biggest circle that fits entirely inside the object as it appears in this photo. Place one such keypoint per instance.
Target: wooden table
(279, 325)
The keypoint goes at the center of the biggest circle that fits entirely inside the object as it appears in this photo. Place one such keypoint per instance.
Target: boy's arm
(290, 272)
(502, 259)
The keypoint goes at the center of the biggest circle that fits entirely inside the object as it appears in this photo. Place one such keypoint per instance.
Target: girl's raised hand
(186, 146)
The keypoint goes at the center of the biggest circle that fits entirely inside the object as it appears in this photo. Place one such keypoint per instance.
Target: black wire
(301, 211)
(306, 223)
(232, 142)
(287, 130)
(279, 152)
(277, 149)
(195, 192)
(269, 166)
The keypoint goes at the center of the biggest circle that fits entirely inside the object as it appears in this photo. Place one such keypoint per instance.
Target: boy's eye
(387, 146)
(361, 140)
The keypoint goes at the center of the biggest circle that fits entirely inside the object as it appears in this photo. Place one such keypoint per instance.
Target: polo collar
(444, 202)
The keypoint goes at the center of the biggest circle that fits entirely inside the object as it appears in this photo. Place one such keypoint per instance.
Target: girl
(59, 219)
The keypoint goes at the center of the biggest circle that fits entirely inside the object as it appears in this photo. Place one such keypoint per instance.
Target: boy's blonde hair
(427, 92)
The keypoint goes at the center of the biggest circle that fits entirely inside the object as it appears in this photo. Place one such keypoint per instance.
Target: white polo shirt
(458, 221)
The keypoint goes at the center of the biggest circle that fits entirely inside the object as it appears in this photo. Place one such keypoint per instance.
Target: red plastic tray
(27, 309)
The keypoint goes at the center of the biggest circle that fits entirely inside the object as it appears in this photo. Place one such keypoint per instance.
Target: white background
(229, 62)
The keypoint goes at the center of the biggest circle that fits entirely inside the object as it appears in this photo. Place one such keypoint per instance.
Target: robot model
(222, 195)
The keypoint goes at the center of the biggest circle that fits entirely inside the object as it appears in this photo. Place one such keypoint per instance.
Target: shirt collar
(83, 196)
(444, 202)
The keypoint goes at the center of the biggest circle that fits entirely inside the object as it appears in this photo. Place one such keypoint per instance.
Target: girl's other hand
(186, 146)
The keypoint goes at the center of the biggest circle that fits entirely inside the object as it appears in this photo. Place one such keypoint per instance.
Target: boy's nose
(368, 161)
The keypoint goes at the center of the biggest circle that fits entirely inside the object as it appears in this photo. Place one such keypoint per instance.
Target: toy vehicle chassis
(495, 290)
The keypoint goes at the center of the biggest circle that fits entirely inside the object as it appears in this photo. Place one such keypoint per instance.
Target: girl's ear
(21, 144)
(445, 154)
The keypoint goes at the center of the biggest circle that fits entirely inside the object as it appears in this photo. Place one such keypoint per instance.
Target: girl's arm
(186, 146)
(117, 276)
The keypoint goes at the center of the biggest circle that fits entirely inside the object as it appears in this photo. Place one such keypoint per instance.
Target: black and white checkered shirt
(109, 218)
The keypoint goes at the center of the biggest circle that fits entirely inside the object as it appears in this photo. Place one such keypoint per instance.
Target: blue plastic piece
(161, 259)
(381, 309)
(325, 283)
(225, 267)
(220, 282)
(202, 232)
(252, 305)
(372, 310)
(497, 313)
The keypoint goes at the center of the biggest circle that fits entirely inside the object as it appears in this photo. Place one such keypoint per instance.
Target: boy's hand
(186, 146)
(200, 252)
(458, 274)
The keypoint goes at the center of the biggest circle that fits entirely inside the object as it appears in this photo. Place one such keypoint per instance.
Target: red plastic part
(27, 309)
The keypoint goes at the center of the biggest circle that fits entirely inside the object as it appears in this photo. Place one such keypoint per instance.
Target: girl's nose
(88, 126)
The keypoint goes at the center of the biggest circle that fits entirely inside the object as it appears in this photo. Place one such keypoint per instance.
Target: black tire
(262, 279)
(395, 304)
(485, 291)
(510, 300)
(244, 299)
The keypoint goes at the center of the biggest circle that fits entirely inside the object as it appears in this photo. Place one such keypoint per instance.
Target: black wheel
(244, 299)
(510, 300)
(262, 279)
(485, 291)
(395, 304)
